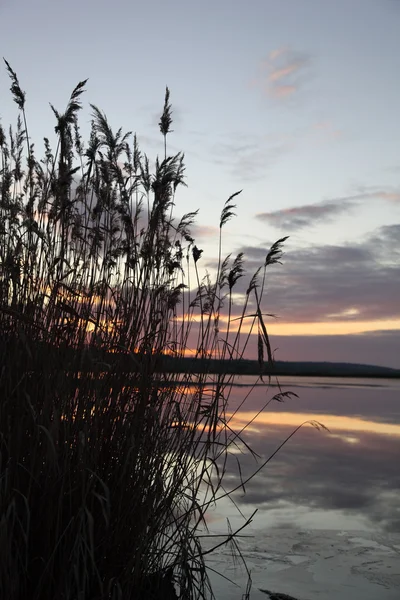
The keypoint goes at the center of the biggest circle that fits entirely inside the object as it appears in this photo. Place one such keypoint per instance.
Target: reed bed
(107, 467)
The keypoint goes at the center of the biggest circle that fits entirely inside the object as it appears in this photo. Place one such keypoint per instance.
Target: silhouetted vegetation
(105, 479)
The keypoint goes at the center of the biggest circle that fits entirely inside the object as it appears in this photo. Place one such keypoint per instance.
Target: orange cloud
(332, 328)
(308, 328)
(345, 327)
(283, 72)
(284, 91)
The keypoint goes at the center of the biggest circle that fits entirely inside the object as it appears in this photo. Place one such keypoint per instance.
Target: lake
(328, 520)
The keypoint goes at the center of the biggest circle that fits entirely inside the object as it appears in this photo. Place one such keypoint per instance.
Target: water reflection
(346, 479)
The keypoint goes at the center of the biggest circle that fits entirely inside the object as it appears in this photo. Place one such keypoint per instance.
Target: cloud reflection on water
(348, 478)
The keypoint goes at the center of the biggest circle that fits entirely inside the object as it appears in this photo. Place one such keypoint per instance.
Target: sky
(295, 102)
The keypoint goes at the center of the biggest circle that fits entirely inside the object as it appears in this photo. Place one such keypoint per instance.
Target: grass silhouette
(106, 470)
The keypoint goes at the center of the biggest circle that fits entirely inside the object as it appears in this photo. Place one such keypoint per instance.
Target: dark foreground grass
(106, 472)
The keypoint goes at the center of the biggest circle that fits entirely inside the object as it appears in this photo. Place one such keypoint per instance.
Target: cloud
(282, 73)
(337, 297)
(318, 471)
(274, 54)
(303, 216)
(373, 348)
(351, 469)
(322, 284)
(299, 217)
(200, 232)
(279, 74)
(326, 130)
(249, 156)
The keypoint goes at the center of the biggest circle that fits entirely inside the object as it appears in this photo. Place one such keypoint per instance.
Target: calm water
(348, 478)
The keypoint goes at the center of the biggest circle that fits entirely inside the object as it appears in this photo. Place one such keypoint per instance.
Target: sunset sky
(294, 101)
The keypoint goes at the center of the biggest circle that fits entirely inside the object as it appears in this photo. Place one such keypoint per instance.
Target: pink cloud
(278, 74)
(283, 91)
(281, 73)
(205, 231)
(325, 130)
(393, 196)
(274, 54)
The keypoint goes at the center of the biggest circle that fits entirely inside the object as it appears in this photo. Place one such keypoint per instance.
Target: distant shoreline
(278, 368)
(95, 360)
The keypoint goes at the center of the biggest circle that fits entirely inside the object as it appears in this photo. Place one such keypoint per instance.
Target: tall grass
(107, 466)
